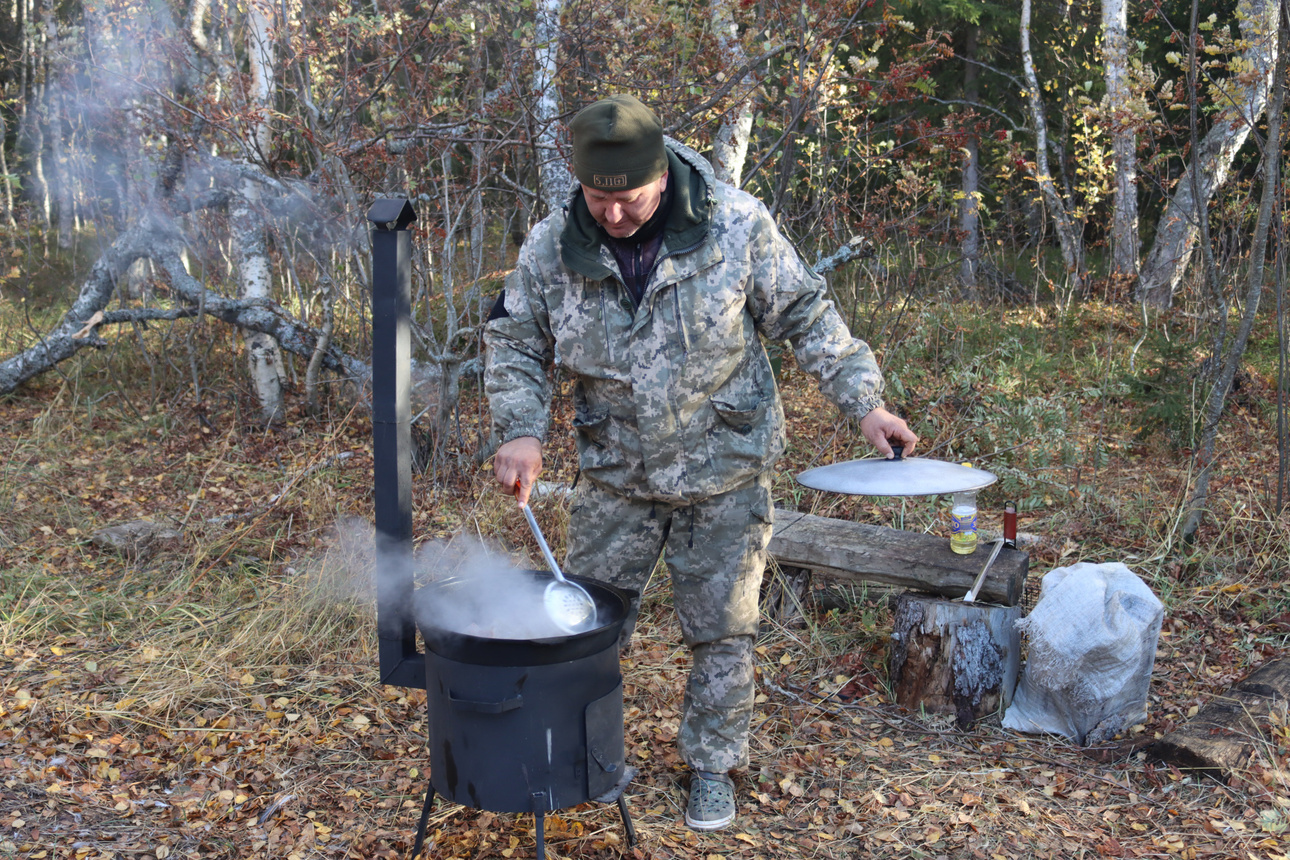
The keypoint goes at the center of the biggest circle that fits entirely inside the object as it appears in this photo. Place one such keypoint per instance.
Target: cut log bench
(947, 656)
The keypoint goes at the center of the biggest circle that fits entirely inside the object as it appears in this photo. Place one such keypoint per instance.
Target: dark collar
(685, 221)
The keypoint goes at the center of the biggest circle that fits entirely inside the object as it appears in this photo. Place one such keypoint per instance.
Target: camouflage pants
(715, 552)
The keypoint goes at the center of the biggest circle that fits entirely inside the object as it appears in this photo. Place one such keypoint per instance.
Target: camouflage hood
(673, 399)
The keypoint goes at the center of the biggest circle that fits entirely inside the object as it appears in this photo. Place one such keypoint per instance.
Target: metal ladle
(567, 603)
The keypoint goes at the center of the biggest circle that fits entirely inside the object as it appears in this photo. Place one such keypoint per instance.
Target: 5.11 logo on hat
(612, 180)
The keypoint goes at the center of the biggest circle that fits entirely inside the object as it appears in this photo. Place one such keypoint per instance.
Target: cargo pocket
(739, 437)
(597, 443)
(590, 426)
(740, 418)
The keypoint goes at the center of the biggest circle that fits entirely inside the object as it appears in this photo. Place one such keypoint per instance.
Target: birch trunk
(1124, 218)
(255, 274)
(553, 175)
(1069, 235)
(1166, 262)
(970, 205)
(730, 147)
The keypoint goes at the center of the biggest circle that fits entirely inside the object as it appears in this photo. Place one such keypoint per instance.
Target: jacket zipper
(676, 296)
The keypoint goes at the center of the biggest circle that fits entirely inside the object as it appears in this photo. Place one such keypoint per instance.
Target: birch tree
(1124, 217)
(255, 273)
(730, 146)
(554, 177)
(1241, 100)
(1069, 235)
(970, 205)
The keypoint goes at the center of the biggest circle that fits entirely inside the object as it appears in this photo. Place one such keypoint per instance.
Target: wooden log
(1224, 735)
(951, 657)
(840, 548)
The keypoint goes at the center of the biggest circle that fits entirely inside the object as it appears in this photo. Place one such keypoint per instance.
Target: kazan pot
(527, 725)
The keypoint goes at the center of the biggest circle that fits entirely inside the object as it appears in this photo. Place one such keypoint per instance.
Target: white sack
(1092, 645)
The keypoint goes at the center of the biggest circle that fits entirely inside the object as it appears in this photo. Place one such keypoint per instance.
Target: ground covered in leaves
(219, 699)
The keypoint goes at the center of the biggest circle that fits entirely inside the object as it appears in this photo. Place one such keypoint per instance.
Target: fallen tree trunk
(1225, 735)
(70, 336)
(159, 241)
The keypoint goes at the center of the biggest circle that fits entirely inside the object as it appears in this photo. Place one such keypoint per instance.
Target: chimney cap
(391, 213)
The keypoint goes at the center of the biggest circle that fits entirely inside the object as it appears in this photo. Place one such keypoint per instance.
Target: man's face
(621, 213)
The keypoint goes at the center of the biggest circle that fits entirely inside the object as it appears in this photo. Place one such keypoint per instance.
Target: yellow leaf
(744, 837)
(247, 679)
(785, 660)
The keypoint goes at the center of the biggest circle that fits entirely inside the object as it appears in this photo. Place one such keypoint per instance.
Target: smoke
(461, 585)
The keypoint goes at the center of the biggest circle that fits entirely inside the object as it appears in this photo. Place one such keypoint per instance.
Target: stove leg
(541, 836)
(627, 821)
(421, 825)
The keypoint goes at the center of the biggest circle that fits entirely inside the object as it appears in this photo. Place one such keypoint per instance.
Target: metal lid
(900, 476)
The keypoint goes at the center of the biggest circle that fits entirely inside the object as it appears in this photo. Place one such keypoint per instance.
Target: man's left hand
(882, 428)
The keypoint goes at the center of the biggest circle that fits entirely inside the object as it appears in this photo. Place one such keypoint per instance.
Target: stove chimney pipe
(401, 664)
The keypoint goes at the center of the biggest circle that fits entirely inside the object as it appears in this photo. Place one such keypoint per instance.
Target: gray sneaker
(712, 801)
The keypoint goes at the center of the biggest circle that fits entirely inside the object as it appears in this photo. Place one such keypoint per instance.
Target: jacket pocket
(741, 417)
(598, 438)
(590, 426)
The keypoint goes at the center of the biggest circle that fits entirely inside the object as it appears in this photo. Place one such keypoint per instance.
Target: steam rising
(480, 593)
(463, 585)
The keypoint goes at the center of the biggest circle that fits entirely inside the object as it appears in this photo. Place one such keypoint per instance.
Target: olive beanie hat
(617, 144)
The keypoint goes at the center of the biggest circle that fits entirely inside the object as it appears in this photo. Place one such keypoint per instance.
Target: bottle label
(962, 523)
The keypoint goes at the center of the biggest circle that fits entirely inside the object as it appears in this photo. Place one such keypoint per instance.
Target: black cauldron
(527, 725)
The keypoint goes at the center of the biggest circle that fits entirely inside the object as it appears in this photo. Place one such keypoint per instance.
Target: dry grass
(220, 700)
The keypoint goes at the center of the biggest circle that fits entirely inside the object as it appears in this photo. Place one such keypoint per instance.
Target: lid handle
(897, 452)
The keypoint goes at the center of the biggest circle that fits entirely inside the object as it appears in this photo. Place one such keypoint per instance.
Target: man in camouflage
(652, 289)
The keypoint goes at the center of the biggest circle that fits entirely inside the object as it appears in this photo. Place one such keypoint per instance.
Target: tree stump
(951, 657)
(1225, 734)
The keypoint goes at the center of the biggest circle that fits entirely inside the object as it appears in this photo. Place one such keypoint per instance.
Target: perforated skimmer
(568, 604)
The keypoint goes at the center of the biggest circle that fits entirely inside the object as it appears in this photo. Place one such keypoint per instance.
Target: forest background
(1061, 225)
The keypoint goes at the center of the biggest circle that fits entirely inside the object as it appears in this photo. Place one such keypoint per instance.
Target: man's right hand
(517, 465)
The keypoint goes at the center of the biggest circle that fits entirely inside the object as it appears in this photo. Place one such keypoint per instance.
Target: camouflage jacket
(674, 400)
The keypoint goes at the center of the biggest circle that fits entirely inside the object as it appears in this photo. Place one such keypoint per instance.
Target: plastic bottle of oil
(963, 521)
